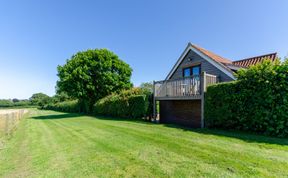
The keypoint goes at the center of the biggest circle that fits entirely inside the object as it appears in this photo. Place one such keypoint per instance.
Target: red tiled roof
(213, 56)
(254, 60)
(235, 65)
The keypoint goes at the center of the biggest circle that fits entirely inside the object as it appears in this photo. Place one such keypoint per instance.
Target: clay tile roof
(213, 56)
(254, 60)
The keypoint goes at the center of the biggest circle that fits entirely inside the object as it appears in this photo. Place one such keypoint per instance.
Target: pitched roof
(216, 60)
(237, 64)
(213, 56)
(254, 60)
(233, 67)
(225, 65)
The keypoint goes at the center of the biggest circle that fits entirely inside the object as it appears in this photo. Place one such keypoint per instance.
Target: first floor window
(186, 72)
(194, 70)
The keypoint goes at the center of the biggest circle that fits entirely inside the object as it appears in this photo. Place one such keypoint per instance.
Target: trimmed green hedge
(66, 106)
(134, 103)
(257, 101)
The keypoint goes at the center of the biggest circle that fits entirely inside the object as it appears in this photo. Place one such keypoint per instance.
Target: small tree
(60, 97)
(15, 100)
(40, 99)
(147, 86)
(93, 74)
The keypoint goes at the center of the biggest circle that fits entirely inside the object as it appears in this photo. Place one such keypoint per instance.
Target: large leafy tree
(93, 74)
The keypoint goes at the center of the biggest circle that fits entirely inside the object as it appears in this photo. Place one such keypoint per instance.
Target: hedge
(65, 106)
(134, 103)
(257, 101)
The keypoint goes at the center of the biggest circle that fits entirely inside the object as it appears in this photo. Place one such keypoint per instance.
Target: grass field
(53, 144)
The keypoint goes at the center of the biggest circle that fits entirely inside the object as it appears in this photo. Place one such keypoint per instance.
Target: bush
(257, 101)
(134, 103)
(66, 106)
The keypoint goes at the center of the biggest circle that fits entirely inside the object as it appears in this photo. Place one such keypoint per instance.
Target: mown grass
(53, 144)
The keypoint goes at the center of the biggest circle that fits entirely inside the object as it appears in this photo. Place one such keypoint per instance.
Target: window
(186, 72)
(194, 70)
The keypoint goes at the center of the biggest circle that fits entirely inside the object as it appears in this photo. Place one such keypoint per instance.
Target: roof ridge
(211, 54)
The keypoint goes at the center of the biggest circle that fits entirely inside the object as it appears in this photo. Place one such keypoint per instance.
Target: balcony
(187, 88)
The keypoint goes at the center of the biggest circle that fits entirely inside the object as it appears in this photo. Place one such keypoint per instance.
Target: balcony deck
(188, 88)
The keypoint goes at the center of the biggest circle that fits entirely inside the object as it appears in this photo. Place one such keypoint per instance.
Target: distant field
(2, 125)
(53, 144)
(2, 119)
(7, 111)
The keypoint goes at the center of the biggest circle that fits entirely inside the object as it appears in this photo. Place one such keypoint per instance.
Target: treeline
(4, 103)
(36, 100)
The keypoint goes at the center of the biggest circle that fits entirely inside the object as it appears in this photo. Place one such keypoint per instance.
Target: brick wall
(182, 112)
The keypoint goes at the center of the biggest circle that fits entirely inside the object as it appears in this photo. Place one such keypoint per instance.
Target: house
(181, 94)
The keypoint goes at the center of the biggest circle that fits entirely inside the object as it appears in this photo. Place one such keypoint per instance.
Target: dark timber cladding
(193, 59)
(183, 112)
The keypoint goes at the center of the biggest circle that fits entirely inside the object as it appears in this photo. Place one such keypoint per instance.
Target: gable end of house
(210, 62)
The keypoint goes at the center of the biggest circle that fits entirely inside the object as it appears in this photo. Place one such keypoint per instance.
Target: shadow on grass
(245, 136)
(58, 116)
(118, 118)
(241, 135)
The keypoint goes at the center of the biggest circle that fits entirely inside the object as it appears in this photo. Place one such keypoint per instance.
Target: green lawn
(53, 144)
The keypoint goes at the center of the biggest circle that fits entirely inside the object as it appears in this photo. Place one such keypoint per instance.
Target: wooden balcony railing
(186, 88)
(189, 86)
(209, 80)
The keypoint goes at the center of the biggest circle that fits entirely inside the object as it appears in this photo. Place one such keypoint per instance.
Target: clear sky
(150, 35)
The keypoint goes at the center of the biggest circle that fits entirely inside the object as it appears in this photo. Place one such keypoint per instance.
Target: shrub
(133, 103)
(66, 106)
(257, 101)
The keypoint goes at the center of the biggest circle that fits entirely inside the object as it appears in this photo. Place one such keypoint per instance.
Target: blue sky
(36, 36)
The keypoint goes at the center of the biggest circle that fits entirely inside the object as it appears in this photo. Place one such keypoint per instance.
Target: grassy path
(52, 144)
